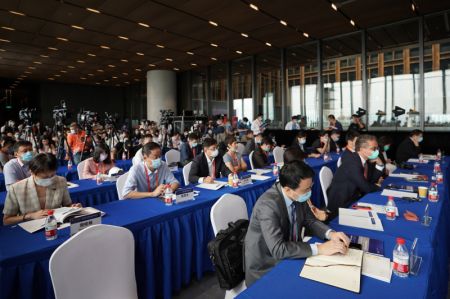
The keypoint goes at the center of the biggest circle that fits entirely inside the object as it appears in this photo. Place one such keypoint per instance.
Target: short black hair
(245, 119)
(148, 147)
(384, 140)
(415, 133)
(249, 132)
(293, 153)
(259, 114)
(294, 172)
(193, 136)
(267, 140)
(230, 139)
(209, 142)
(43, 163)
(301, 133)
(363, 140)
(331, 116)
(100, 149)
(323, 133)
(8, 141)
(335, 132)
(21, 143)
(351, 135)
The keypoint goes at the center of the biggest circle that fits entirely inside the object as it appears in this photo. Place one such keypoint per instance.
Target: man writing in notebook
(280, 214)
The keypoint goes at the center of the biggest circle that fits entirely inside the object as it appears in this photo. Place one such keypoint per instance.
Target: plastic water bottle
(390, 209)
(326, 157)
(275, 169)
(235, 180)
(98, 178)
(421, 158)
(338, 149)
(433, 195)
(124, 156)
(437, 167)
(69, 164)
(401, 259)
(439, 177)
(51, 226)
(438, 154)
(168, 196)
(230, 180)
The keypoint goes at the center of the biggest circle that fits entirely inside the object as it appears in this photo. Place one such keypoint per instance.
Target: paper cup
(423, 192)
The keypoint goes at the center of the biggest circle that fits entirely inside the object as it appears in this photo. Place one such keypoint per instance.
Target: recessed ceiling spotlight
(244, 34)
(333, 6)
(92, 10)
(213, 23)
(284, 23)
(253, 6)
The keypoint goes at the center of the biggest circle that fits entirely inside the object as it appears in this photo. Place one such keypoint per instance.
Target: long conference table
(170, 241)
(283, 281)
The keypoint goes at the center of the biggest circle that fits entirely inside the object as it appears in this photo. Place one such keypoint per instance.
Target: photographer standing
(78, 143)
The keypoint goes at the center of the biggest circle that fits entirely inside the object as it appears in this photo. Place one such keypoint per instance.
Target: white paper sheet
(260, 177)
(396, 193)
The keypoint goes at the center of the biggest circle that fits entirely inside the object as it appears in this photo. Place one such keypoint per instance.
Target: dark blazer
(260, 158)
(349, 184)
(249, 146)
(267, 240)
(407, 150)
(199, 168)
(186, 154)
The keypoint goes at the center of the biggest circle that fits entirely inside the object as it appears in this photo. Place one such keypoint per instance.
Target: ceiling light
(62, 39)
(114, 77)
(8, 28)
(268, 44)
(213, 23)
(136, 79)
(333, 6)
(253, 6)
(31, 67)
(244, 34)
(176, 69)
(19, 78)
(160, 46)
(140, 54)
(27, 72)
(193, 64)
(83, 78)
(92, 10)
(239, 52)
(17, 13)
(352, 22)
(214, 45)
(305, 34)
(44, 56)
(138, 70)
(106, 80)
(91, 75)
(97, 83)
(125, 74)
(92, 55)
(213, 58)
(4, 40)
(37, 62)
(126, 82)
(2, 50)
(63, 71)
(101, 71)
(105, 47)
(169, 59)
(51, 79)
(56, 75)
(151, 64)
(123, 60)
(413, 7)
(123, 37)
(80, 61)
(52, 48)
(111, 65)
(77, 27)
(189, 53)
(143, 25)
(284, 23)
(70, 66)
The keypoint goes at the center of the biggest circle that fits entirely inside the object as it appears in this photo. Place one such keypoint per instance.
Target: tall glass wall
(242, 88)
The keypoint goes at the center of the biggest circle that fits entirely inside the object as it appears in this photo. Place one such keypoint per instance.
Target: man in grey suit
(277, 221)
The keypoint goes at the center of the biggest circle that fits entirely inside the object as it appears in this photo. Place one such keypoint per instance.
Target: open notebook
(360, 218)
(62, 215)
(342, 271)
(214, 186)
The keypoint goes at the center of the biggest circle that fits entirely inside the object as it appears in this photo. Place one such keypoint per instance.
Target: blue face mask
(386, 148)
(156, 163)
(194, 144)
(27, 157)
(420, 139)
(374, 155)
(304, 197)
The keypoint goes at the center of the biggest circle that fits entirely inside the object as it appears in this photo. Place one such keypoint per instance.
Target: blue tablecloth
(2, 182)
(72, 174)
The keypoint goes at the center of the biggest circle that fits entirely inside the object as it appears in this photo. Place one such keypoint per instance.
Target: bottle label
(390, 212)
(50, 232)
(432, 196)
(400, 265)
(168, 199)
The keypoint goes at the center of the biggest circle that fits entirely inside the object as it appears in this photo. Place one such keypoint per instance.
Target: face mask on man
(156, 163)
(374, 155)
(303, 197)
(215, 153)
(302, 141)
(27, 157)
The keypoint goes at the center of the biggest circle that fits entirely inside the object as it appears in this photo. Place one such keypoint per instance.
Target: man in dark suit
(359, 174)
(260, 157)
(190, 149)
(209, 165)
(277, 220)
(409, 148)
(250, 146)
(350, 138)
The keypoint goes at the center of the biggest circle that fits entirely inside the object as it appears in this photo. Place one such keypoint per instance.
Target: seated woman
(384, 144)
(322, 145)
(46, 146)
(300, 143)
(31, 198)
(260, 157)
(233, 160)
(99, 163)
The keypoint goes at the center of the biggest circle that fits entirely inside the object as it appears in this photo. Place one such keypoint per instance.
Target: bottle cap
(390, 197)
(401, 241)
(50, 212)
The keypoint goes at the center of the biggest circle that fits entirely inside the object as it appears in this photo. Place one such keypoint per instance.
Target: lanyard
(235, 159)
(148, 179)
(97, 167)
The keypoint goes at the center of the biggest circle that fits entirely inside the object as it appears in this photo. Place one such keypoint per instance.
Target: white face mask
(43, 182)
(215, 153)
(73, 131)
(103, 157)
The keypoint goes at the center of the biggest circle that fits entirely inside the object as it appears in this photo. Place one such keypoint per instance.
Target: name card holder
(246, 180)
(81, 222)
(182, 195)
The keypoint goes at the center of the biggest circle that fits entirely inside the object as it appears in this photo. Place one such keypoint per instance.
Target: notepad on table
(260, 177)
(379, 209)
(399, 194)
(71, 185)
(418, 161)
(260, 171)
(360, 219)
(214, 186)
(377, 267)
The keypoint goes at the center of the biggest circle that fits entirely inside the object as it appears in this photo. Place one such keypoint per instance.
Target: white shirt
(292, 126)
(379, 167)
(210, 168)
(256, 126)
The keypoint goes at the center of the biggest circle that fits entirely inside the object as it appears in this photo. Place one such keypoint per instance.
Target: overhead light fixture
(144, 25)
(62, 39)
(123, 37)
(169, 59)
(56, 75)
(189, 53)
(90, 75)
(244, 34)
(97, 83)
(333, 6)
(305, 34)
(111, 65)
(160, 46)
(44, 56)
(114, 77)
(140, 54)
(352, 22)
(254, 7)
(31, 67)
(27, 72)
(100, 71)
(123, 60)
(105, 80)
(413, 6)
(17, 13)
(214, 45)
(284, 23)
(268, 44)
(138, 70)
(151, 64)
(92, 55)
(176, 69)
(2, 50)
(77, 27)
(53, 48)
(63, 71)
(105, 47)
(8, 28)
(83, 78)
(92, 10)
(193, 64)
(239, 52)
(125, 74)
(136, 79)
(213, 58)
(37, 62)
(70, 66)
(80, 61)
(51, 79)
(4, 40)
(213, 23)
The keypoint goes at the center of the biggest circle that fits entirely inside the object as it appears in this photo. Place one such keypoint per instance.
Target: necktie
(366, 170)
(294, 233)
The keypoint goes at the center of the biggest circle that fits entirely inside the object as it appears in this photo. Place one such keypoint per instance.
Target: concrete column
(161, 93)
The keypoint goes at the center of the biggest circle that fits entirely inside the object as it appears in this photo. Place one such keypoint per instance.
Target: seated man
(149, 178)
(357, 176)
(6, 150)
(260, 157)
(274, 232)
(190, 149)
(31, 198)
(409, 147)
(209, 165)
(250, 146)
(138, 157)
(322, 145)
(17, 169)
(350, 138)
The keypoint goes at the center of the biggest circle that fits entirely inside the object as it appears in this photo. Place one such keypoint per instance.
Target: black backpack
(226, 253)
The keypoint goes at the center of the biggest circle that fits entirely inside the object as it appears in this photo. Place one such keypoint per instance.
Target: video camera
(26, 115)
(166, 117)
(60, 112)
(110, 119)
(86, 119)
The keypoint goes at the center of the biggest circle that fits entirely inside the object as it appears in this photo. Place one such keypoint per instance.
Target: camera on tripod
(26, 115)
(86, 119)
(166, 117)
(60, 113)
(110, 119)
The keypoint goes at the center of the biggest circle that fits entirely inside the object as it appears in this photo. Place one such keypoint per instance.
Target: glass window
(219, 89)
(242, 88)
(199, 92)
(302, 94)
(392, 78)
